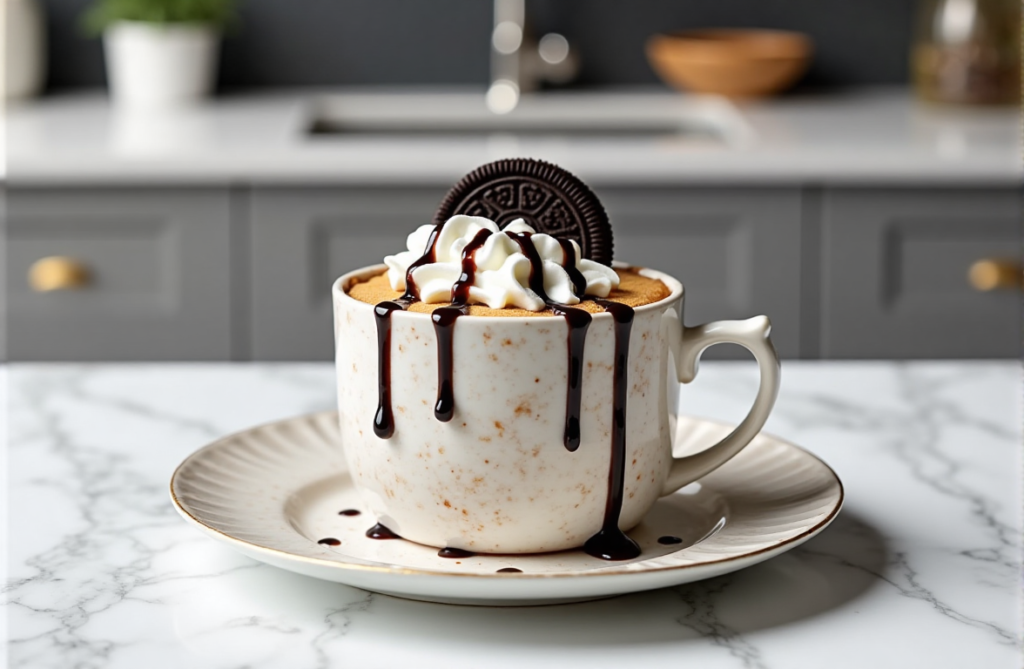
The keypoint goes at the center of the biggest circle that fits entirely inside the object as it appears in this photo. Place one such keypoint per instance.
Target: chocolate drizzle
(611, 543)
(579, 282)
(378, 531)
(383, 420)
(577, 320)
(460, 291)
(429, 256)
(444, 328)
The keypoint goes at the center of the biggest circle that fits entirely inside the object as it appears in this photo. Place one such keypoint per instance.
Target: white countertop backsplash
(871, 136)
(921, 568)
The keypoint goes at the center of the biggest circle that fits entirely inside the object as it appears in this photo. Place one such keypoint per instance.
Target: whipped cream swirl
(502, 276)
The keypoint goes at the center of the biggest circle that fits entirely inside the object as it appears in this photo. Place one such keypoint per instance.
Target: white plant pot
(159, 66)
(23, 52)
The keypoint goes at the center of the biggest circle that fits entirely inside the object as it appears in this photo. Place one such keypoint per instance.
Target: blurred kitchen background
(185, 178)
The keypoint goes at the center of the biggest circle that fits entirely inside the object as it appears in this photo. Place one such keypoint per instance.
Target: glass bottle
(967, 51)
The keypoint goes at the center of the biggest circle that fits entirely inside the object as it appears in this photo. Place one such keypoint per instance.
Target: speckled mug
(497, 478)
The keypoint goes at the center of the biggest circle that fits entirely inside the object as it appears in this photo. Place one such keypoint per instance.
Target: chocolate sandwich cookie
(547, 197)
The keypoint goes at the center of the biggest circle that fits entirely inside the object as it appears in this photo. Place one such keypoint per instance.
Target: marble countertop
(863, 137)
(921, 568)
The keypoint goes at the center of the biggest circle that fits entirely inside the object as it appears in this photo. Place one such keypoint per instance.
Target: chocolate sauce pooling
(349, 512)
(378, 531)
(454, 553)
(510, 570)
(669, 540)
(611, 543)
(329, 541)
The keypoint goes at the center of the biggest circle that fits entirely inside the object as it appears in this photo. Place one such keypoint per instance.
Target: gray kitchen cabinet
(894, 269)
(302, 239)
(736, 250)
(154, 264)
(212, 274)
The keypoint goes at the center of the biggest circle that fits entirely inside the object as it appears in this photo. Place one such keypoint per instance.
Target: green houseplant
(160, 53)
(104, 13)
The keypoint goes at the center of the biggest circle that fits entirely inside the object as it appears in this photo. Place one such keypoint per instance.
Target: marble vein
(923, 562)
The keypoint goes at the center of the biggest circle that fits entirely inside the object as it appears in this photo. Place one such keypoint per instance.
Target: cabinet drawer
(895, 273)
(305, 238)
(155, 272)
(737, 251)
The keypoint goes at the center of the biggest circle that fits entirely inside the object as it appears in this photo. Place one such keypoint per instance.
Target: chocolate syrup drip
(579, 282)
(460, 291)
(429, 256)
(349, 512)
(577, 321)
(383, 420)
(669, 540)
(378, 531)
(444, 328)
(329, 541)
(536, 264)
(611, 543)
(510, 570)
(444, 325)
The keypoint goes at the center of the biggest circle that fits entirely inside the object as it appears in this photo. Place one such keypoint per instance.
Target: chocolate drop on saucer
(669, 540)
(454, 553)
(510, 570)
(329, 541)
(378, 531)
(550, 199)
(350, 512)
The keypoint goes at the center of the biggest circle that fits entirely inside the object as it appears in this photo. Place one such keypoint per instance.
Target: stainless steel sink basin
(571, 117)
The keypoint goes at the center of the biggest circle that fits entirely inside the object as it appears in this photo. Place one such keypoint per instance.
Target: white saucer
(274, 491)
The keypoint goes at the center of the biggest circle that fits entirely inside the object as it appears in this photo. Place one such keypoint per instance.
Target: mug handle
(688, 343)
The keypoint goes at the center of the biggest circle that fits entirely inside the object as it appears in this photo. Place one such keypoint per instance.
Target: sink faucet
(519, 64)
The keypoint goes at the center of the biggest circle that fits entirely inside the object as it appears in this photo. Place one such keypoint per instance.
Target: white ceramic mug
(497, 477)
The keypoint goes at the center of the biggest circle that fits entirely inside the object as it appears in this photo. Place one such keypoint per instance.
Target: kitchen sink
(562, 116)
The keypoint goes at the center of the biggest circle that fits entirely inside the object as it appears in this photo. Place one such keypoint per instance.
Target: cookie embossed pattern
(548, 198)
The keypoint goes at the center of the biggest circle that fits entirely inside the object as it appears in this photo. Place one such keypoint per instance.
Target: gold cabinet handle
(58, 273)
(994, 274)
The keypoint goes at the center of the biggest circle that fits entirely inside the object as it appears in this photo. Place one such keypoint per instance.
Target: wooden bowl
(734, 63)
